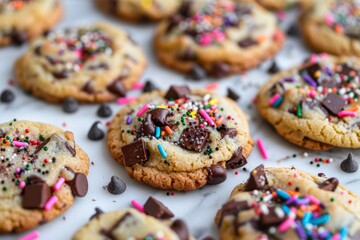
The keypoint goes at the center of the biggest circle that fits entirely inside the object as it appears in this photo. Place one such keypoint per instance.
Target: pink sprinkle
(296, 175)
(17, 170)
(313, 199)
(313, 58)
(213, 107)
(137, 205)
(312, 93)
(329, 19)
(59, 184)
(31, 236)
(346, 114)
(206, 116)
(323, 55)
(125, 100)
(202, 125)
(20, 144)
(137, 86)
(262, 148)
(336, 236)
(143, 110)
(281, 15)
(218, 35)
(205, 39)
(22, 184)
(279, 36)
(50, 203)
(274, 99)
(286, 224)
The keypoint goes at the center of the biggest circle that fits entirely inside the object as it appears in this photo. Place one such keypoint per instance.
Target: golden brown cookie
(182, 139)
(91, 64)
(42, 170)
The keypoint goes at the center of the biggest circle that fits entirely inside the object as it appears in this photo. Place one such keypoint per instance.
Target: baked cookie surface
(139, 10)
(284, 4)
(315, 105)
(217, 38)
(91, 64)
(181, 139)
(40, 16)
(332, 26)
(42, 170)
(284, 203)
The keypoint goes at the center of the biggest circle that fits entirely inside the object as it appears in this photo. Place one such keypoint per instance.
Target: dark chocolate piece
(232, 95)
(147, 127)
(79, 185)
(117, 88)
(97, 213)
(36, 195)
(237, 159)
(88, 87)
(194, 139)
(247, 42)
(7, 96)
(273, 68)
(329, 184)
(157, 209)
(135, 153)
(70, 105)
(149, 86)
(95, 133)
(257, 179)
(333, 103)
(116, 186)
(176, 92)
(180, 228)
(197, 72)
(160, 115)
(104, 111)
(216, 174)
(349, 165)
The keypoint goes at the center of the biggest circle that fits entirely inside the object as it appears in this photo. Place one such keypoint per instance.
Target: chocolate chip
(19, 37)
(41, 146)
(117, 88)
(185, 9)
(147, 127)
(257, 179)
(79, 185)
(36, 195)
(197, 72)
(157, 209)
(149, 86)
(62, 74)
(321, 175)
(173, 22)
(247, 42)
(160, 115)
(224, 131)
(220, 69)
(329, 184)
(293, 30)
(194, 139)
(334, 103)
(237, 159)
(232, 208)
(232, 94)
(7, 96)
(180, 228)
(271, 218)
(116, 186)
(88, 87)
(135, 153)
(273, 68)
(176, 92)
(104, 111)
(349, 165)
(98, 212)
(216, 174)
(95, 133)
(70, 105)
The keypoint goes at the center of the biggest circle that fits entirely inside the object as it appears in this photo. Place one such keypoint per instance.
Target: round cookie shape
(40, 17)
(42, 170)
(181, 139)
(284, 4)
(284, 203)
(217, 38)
(139, 10)
(332, 26)
(95, 63)
(315, 105)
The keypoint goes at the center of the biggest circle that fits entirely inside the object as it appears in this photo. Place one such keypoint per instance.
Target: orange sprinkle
(260, 38)
(211, 86)
(168, 130)
(353, 108)
(334, 90)
(162, 133)
(279, 36)
(219, 121)
(338, 28)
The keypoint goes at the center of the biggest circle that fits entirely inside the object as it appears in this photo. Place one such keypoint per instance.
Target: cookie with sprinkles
(42, 170)
(284, 203)
(40, 17)
(139, 10)
(284, 4)
(315, 105)
(217, 37)
(96, 63)
(332, 26)
(132, 224)
(181, 139)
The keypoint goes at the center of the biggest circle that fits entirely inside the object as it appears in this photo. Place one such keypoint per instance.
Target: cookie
(131, 224)
(42, 170)
(315, 105)
(182, 139)
(91, 64)
(217, 38)
(284, 203)
(40, 17)
(139, 10)
(332, 26)
(284, 4)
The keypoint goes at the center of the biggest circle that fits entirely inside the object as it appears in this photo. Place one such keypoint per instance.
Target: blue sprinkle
(282, 194)
(306, 218)
(162, 151)
(320, 220)
(286, 209)
(157, 132)
(343, 233)
(278, 102)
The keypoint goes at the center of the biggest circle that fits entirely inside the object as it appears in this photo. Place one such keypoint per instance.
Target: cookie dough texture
(301, 117)
(284, 4)
(139, 10)
(91, 64)
(61, 147)
(28, 21)
(184, 44)
(344, 210)
(186, 170)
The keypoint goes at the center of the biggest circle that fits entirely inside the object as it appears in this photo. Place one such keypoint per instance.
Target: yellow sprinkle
(146, 3)
(213, 101)
(161, 106)
(317, 74)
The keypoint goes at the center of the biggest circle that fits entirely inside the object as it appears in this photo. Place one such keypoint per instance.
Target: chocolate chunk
(293, 30)
(185, 9)
(329, 184)
(79, 185)
(273, 68)
(157, 209)
(7, 96)
(98, 212)
(41, 146)
(71, 149)
(271, 219)
(349, 165)
(232, 208)
(321, 175)
(176, 92)
(237, 159)
(104, 111)
(149, 86)
(173, 22)
(88, 87)
(220, 69)
(224, 130)
(194, 139)
(197, 72)
(216, 174)
(257, 179)
(116, 186)
(70, 105)
(334, 103)
(147, 127)
(160, 115)
(117, 88)
(180, 228)
(19, 37)
(95, 133)
(62, 74)
(247, 42)
(232, 94)
(36, 195)
(135, 153)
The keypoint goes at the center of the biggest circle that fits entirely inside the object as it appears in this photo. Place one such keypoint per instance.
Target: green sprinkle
(298, 111)
(42, 138)
(318, 165)
(46, 148)
(4, 189)
(128, 131)
(332, 199)
(139, 119)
